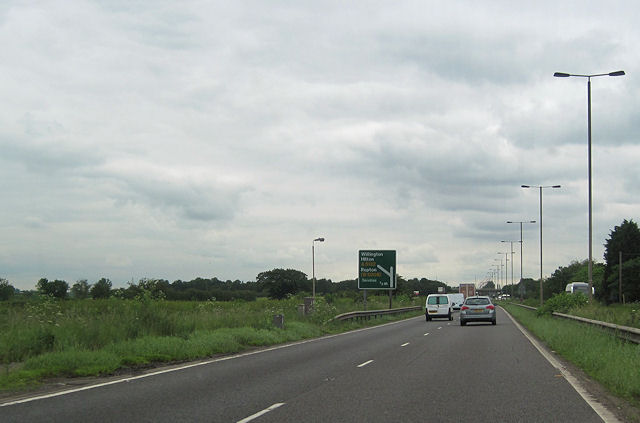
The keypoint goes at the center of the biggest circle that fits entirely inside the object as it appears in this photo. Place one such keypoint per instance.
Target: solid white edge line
(365, 363)
(426, 334)
(604, 414)
(260, 413)
(405, 344)
(202, 363)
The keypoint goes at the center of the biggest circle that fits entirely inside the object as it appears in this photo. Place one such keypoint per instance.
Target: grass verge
(92, 338)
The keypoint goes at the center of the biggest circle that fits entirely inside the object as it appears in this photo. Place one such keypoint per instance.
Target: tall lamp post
(506, 269)
(540, 187)
(500, 271)
(566, 75)
(521, 222)
(511, 242)
(496, 272)
(313, 264)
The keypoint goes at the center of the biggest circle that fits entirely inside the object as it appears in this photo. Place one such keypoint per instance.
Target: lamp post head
(525, 186)
(566, 75)
(556, 186)
(319, 239)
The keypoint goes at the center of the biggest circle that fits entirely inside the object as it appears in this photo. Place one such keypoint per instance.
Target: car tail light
(464, 308)
(491, 307)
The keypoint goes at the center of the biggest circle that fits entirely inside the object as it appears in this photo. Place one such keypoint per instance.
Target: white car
(438, 305)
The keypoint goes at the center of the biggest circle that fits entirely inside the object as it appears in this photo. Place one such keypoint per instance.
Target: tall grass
(50, 337)
(625, 315)
(612, 362)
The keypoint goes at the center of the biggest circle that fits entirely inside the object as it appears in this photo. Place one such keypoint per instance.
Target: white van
(438, 305)
(583, 287)
(456, 300)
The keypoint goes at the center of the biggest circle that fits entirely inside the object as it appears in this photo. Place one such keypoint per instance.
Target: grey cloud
(198, 200)
(237, 129)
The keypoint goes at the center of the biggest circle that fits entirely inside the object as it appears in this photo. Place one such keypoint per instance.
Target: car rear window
(477, 301)
(438, 300)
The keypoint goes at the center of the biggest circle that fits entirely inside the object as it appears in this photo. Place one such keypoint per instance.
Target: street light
(540, 187)
(511, 242)
(496, 271)
(313, 264)
(566, 75)
(500, 274)
(521, 222)
(506, 268)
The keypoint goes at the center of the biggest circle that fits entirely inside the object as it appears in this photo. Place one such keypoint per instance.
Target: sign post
(377, 270)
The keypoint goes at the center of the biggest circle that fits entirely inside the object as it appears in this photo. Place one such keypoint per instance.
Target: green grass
(624, 315)
(49, 338)
(612, 362)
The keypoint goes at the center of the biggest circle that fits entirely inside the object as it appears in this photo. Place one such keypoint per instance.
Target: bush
(563, 303)
(6, 290)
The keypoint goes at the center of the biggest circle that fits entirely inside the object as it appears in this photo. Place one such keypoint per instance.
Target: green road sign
(376, 269)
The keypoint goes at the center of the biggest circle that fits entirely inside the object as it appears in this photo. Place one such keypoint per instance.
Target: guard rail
(375, 313)
(623, 332)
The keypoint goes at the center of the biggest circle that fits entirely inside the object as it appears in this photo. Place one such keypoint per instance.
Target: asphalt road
(409, 371)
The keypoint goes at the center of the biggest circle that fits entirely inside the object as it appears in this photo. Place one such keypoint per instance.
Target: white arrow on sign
(390, 274)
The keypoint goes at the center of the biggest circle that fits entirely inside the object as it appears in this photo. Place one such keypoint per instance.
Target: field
(47, 338)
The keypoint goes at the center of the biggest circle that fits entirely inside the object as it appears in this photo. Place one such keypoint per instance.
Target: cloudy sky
(172, 140)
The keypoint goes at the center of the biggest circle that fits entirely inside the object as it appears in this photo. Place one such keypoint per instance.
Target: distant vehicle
(468, 289)
(583, 287)
(456, 300)
(477, 309)
(438, 305)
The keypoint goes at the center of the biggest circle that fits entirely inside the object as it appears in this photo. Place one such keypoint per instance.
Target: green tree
(154, 288)
(80, 289)
(626, 239)
(528, 288)
(56, 289)
(6, 290)
(101, 289)
(564, 275)
(280, 282)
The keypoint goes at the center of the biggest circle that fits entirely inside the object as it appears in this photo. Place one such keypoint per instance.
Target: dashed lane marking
(260, 413)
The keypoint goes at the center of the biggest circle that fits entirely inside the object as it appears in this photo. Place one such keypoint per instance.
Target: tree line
(624, 239)
(275, 283)
(622, 256)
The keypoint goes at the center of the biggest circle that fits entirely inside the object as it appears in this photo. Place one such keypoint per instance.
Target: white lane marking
(426, 334)
(405, 344)
(440, 328)
(260, 413)
(604, 414)
(202, 363)
(365, 363)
